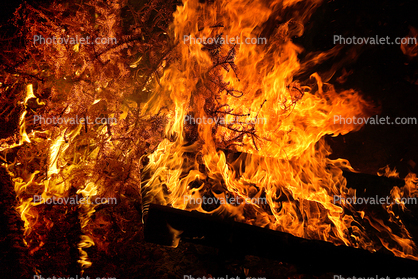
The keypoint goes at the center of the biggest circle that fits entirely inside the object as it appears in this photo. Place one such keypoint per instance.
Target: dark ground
(382, 73)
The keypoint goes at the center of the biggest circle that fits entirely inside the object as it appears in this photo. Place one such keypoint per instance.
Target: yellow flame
(288, 162)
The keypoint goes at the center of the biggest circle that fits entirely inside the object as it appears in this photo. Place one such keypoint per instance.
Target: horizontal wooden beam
(166, 226)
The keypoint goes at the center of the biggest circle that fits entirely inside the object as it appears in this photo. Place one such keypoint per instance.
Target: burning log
(369, 187)
(166, 226)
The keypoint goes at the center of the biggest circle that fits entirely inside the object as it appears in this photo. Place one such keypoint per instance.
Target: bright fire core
(284, 160)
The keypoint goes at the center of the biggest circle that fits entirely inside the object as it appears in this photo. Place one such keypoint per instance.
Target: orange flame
(284, 159)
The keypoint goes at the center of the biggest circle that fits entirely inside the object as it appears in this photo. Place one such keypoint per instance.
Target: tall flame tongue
(53, 183)
(280, 155)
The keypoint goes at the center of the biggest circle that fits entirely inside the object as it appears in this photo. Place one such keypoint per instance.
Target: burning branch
(57, 83)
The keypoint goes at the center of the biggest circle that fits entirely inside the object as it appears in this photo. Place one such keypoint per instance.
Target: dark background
(381, 73)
